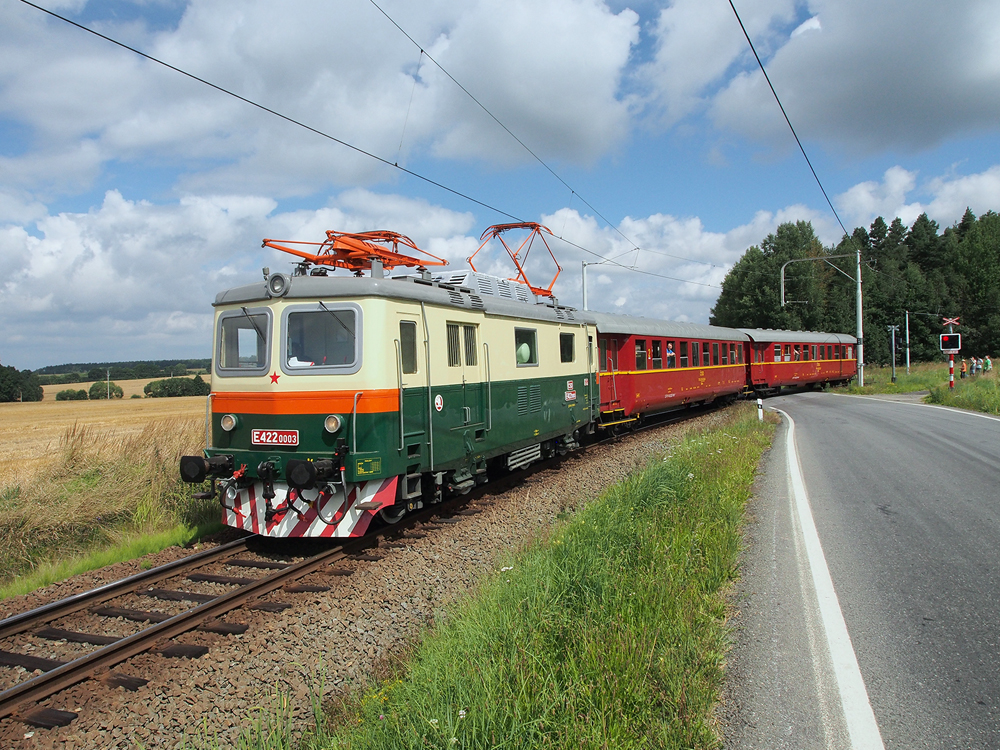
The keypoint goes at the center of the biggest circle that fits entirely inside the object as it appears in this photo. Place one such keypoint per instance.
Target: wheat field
(31, 433)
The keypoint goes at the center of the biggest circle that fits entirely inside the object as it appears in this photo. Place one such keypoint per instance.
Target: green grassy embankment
(979, 393)
(922, 377)
(100, 497)
(609, 633)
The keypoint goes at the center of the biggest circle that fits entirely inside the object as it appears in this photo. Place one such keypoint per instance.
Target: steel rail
(51, 682)
(19, 623)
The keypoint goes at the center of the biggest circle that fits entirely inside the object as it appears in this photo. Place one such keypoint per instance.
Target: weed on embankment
(101, 492)
(922, 377)
(611, 632)
(979, 393)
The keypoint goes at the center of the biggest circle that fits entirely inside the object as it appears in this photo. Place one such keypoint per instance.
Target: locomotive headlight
(232, 493)
(277, 285)
(332, 423)
(228, 422)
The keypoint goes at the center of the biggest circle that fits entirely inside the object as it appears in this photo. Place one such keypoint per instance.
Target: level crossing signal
(951, 342)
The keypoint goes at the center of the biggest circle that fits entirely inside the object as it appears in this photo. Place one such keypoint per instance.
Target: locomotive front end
(296, 417)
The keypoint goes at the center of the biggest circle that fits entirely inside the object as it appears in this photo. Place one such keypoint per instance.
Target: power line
(523, 144)
(351, 146)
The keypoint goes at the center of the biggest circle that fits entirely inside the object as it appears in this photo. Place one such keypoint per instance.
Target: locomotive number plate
(274, 437)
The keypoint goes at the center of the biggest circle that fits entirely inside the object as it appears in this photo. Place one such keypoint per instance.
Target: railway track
(21, 701)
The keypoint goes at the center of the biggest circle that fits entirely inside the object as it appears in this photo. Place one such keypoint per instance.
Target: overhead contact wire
(522, 143)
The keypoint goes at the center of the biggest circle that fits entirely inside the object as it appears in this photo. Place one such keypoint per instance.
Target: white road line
(952, 409)
(861, 725)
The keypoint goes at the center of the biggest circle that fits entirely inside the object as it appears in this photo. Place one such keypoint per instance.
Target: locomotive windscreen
(325, 337)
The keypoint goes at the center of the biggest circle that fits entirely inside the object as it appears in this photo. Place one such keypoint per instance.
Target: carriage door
(472, 377)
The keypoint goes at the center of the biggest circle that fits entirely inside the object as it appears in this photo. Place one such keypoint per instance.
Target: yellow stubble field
(30, 433)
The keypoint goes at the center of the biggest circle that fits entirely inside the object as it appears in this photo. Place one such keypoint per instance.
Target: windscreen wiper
(263, 339)
(337, 319)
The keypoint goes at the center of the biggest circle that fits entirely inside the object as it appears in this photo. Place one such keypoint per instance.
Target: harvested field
(130, 387)
(30, 433)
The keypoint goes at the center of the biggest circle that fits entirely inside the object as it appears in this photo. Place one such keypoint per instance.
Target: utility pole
(907, 342)
(861, 332)
(892, 330)
(585, 264)
(109, 385)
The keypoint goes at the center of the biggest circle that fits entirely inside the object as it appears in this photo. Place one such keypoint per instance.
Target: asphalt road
(906, 502)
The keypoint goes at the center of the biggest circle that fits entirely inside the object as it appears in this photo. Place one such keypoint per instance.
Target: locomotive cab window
(566, 347)
(408, 346)
(244, 337)
(526, 347)
(322, 339)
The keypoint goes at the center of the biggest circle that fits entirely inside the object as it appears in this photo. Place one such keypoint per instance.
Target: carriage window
(798, 353)
(695, 360)
(614, 354)
(715, 353)
(777, 352)
(850, 352)
(602, 354)
(526, 347)
(739, 350)
(454, 346)
(469, 335)
(640, 354)
(408, 346)
(669, 354)
(322, 338)
(566, 353)
(243, 341)
(684, 354)
(657, 354)
(788, 352)
(732, 354)
(725, 358)
(836, 352)
(805, 352)
(814, 351)
(757, 354)
(705, 348)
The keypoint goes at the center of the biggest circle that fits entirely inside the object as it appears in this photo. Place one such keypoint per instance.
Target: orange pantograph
(355, 251)
(536, 230)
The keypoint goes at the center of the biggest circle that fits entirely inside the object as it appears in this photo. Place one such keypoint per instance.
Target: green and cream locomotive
(339, 399)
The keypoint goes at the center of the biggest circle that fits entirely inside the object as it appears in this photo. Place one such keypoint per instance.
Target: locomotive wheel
(392, 514)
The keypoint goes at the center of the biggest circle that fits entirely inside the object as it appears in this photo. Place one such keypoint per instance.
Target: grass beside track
(100, 496)
(979, 393)
(609, 633)
(922, 377)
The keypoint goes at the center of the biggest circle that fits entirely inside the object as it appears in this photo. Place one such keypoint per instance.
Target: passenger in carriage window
(669, 354)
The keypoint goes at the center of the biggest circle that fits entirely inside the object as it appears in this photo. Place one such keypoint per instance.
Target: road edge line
(858, 715)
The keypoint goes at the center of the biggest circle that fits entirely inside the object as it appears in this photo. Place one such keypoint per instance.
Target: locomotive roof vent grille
(456, 297)
(487, 285)
(477, 302)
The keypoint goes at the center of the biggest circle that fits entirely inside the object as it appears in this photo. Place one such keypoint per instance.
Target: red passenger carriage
(649, 366)
(780, 358)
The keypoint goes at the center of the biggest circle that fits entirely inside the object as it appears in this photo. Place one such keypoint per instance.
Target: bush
(70, 395)
(99, 390)
(177, 387)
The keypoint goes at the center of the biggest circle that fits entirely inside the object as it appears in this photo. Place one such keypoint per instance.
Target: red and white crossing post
(951, 343)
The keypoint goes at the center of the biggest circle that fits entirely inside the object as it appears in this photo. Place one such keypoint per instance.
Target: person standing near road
(989, 364)
(964, 369)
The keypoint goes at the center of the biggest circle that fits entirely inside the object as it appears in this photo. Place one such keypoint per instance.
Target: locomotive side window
(602, 354)
(695, 348)
(669, 354)
(454, 346)
(684, 354)
(243, 341)
(526, 347)
(321, 338)
(657, 354)
(640, 354)
(469, 336)
(566, 350)
(715, 353)
(408, 345)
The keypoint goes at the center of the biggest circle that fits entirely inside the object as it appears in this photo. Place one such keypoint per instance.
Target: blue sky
(130, 195)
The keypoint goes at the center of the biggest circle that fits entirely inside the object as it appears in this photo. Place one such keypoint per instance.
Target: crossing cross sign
(951, 343)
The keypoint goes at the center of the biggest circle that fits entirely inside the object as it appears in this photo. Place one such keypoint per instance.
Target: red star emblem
(275, 376)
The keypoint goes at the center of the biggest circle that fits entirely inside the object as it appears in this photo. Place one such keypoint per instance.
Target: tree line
(83, 373)
(920, 269)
